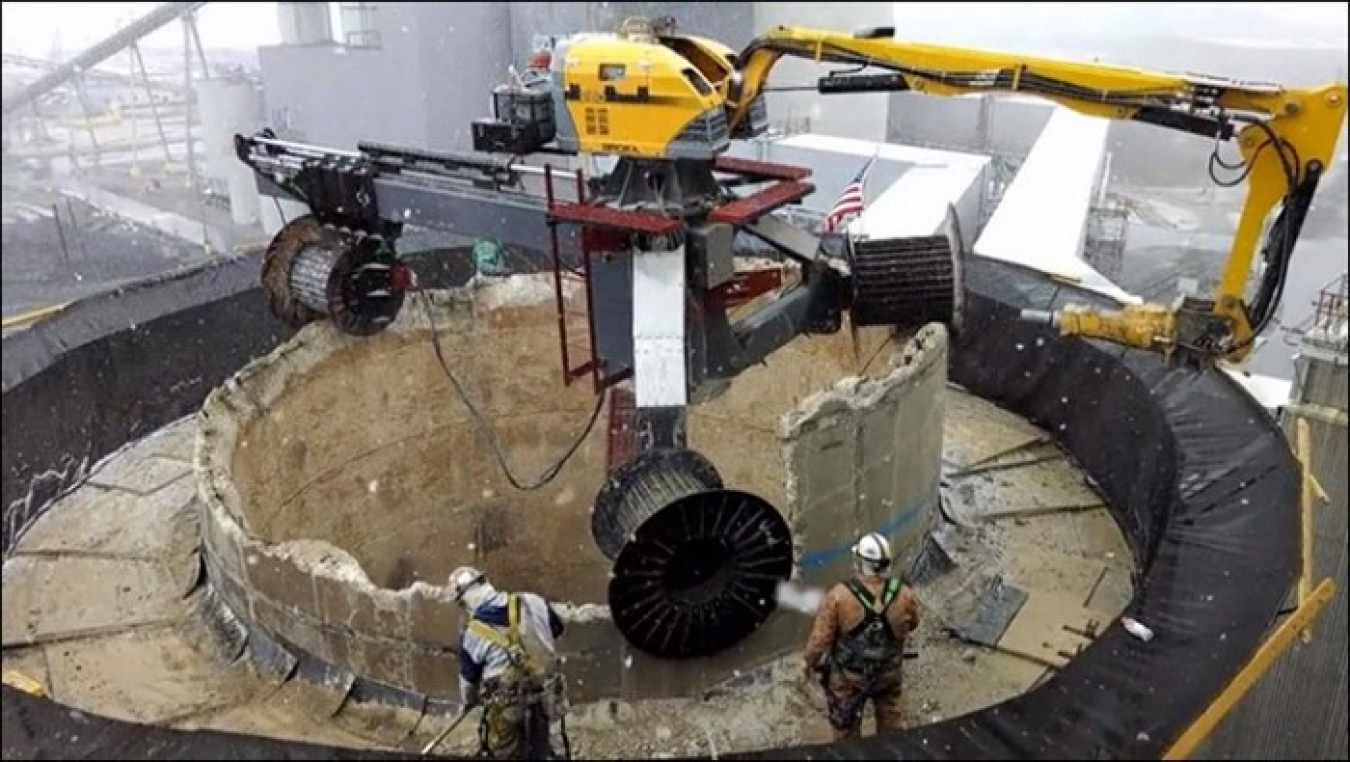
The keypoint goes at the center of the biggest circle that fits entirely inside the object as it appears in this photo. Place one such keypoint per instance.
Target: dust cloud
(803, 600)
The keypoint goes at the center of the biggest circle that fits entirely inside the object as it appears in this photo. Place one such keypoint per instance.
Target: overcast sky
(30, 27)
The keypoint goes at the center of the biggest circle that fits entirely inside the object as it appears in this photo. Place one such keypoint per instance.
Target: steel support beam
(100, 52)
(150, 98)
(517, 220)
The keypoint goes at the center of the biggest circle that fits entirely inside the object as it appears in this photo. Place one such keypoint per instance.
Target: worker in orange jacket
(857, 643)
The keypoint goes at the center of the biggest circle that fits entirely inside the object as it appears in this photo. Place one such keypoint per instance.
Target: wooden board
(1052, 628)
(1052, 573)
(1023, 672)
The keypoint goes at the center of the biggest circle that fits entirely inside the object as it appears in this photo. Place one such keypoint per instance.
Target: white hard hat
(873, 549)
(464, 579)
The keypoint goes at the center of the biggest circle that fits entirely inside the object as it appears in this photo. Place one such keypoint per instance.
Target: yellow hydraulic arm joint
(1286, 138)
(1147, 326)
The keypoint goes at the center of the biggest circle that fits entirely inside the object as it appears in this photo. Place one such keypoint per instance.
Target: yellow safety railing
(32, 316)
(16, 679)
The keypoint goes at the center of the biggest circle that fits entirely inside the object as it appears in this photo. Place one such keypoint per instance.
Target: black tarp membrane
(1198, 476)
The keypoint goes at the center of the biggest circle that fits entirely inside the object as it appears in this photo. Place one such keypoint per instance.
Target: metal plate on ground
(995, 608)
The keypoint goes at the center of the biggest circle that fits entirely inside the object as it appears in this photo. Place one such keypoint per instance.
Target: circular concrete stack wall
(343, 479)
(109, 368)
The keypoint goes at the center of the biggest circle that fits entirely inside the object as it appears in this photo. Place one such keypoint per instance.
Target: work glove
(468, 696)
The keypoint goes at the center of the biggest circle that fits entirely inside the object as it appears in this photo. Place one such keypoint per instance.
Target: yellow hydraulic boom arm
(1286, 138)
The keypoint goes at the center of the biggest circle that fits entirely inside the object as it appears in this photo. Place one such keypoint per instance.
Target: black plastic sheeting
(1199, 477)
(113, 368)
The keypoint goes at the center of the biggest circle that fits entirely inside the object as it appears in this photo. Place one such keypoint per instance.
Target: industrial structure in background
(160, 132)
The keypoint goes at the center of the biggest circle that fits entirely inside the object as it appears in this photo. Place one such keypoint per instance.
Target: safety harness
(872, 643)
(865, 649)
(521, 664)
(523, 681)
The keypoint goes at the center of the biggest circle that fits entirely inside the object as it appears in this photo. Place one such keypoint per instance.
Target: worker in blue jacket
(508, 663)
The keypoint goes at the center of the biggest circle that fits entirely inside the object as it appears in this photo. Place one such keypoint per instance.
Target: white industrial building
(907, 189)
(1040, 221)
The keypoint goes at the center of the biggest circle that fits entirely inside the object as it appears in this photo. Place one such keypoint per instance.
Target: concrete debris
(857, 393)
(324, 559)
(494, 293)
(582, 612)
(934, 560)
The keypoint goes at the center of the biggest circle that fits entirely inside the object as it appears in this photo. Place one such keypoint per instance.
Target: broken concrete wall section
(342, 479)
(862, 455)
(866, 456)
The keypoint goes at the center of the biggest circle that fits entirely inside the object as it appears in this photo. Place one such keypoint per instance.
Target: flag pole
(867, 175)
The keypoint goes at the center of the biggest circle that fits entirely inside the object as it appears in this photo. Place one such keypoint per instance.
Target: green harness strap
(888, 595)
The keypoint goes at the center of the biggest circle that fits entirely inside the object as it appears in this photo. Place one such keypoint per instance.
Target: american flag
(850, 202)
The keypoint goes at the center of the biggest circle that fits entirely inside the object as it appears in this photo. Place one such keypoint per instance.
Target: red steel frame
(602, 228)
(599, 224)
(750, 284)
(622, 441)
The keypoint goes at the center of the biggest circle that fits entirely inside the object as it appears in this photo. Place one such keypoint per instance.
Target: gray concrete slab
(978, 431)
(865, 455)
(1028, 489)
(142, 475)
(173, 442)
(117, 523)
(151, 676)
(296, 711)
(50, 598)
